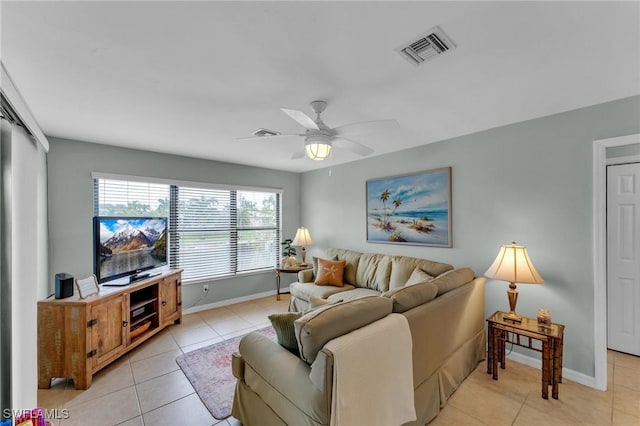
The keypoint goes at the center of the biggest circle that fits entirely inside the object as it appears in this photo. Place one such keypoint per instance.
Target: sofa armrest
(459, 315)
(305, 276)
(237, 365)
(274, 373)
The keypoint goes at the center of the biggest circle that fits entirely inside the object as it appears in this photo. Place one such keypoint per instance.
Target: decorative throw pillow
(285, 331)
(315, 264)
(330, 272)
(418, 276)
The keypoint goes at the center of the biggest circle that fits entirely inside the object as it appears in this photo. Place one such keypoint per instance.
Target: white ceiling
(189, 78)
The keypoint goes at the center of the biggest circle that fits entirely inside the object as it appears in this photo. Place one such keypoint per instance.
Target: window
(213, 232)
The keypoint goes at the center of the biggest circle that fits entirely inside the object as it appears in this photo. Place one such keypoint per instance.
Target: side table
(550, 338)
(291, 270)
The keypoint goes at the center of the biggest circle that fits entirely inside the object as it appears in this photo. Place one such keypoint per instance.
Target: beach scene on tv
(131, 244)
(412, 209)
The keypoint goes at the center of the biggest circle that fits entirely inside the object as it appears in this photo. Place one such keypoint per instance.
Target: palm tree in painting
(386, 214)
(396, 203)
(384, 197)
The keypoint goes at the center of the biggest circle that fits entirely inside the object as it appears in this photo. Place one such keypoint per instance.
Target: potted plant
(289, 254)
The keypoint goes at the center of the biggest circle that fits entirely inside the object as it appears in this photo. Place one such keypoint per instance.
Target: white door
(623, 258)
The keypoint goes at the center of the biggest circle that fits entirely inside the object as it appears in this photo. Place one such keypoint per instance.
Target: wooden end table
(550, 338)
(291, 270)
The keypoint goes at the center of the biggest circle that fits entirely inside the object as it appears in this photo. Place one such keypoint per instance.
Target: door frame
(600, 251)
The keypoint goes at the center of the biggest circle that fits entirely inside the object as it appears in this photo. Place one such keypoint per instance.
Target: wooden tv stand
(78, 337)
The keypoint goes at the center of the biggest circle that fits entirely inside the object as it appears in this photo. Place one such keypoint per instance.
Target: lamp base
(513, 317)
(303, 255)
(512, 294)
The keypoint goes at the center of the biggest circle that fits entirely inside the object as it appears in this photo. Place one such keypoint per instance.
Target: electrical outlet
(205, 288)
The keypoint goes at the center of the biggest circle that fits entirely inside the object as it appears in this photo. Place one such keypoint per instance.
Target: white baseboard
(572, 375)
(199, 308)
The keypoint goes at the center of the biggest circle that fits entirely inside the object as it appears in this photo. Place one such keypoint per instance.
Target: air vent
(426, 47)
(264, 132)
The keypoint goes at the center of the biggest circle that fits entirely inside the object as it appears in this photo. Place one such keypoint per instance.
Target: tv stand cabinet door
(63, 343)
(108, 332)
(170, 300)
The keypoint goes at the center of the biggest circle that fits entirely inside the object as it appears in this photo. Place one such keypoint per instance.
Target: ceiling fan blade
(298, 153)
(366, 127)
(302, 118)
(352, 146)
(274, 137)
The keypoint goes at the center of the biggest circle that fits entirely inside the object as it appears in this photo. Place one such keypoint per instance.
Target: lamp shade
(302, 237)
(513, 265)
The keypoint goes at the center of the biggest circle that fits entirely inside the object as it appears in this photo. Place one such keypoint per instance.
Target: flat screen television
(127, 246)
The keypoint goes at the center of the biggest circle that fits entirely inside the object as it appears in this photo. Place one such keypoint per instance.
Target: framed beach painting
(413, 209)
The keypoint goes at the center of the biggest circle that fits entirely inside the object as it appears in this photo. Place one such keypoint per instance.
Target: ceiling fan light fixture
(318, 147)
(320, 138)
(318, 151)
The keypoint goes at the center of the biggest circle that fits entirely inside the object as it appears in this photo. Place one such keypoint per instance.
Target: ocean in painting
(404, 229)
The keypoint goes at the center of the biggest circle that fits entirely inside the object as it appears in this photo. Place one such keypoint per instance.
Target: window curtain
(23, 262)
(5, 264)
(23, 245)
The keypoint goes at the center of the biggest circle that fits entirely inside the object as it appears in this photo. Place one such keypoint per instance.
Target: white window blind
(212, 232)
(202, 229)
(258, 230)
(128, 198)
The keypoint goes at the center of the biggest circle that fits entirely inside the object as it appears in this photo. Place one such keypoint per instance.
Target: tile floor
(146, 386)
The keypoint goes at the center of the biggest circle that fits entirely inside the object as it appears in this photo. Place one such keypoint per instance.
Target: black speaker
(64, 285)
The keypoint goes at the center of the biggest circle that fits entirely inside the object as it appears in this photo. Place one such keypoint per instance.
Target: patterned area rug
(209, 371)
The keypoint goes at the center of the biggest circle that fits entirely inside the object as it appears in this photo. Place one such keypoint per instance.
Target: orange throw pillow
(330, 272)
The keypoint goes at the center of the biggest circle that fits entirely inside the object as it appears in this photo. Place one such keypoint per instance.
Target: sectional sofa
(445, 315)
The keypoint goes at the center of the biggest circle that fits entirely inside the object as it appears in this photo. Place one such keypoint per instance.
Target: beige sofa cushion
(316, 302)
(316, 328)
(373, 272)
(351, 258)
(356, 293)
(453, 279)
(408, 297)
(305, 291)
(403, 266)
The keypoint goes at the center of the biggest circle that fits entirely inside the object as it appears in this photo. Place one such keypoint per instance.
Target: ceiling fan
(320, 138)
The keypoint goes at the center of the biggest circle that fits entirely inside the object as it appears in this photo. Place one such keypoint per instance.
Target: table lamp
(513, 265)
(302, 239)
